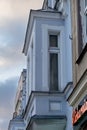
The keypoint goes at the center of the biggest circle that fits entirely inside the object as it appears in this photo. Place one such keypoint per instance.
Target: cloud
(11, 43)
(7, 96)
(13, 22)
(4, 124)
(12, 60)
(11, 10)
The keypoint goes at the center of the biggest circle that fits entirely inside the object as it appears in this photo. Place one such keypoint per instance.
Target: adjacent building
(20, 103)
(78, 97)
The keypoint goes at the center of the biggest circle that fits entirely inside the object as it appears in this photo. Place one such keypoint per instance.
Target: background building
(78, 98)
(20, 100)
(20, 103)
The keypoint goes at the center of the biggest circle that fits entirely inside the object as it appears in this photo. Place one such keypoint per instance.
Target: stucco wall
(78, 69)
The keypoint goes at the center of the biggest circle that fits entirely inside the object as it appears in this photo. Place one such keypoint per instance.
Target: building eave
(79, 91)
(38, 14)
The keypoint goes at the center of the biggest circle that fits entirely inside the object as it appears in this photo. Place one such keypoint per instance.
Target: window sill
(82, 54)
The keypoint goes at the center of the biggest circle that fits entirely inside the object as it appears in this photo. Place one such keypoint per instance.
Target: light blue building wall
(47, 108)
(43, 103)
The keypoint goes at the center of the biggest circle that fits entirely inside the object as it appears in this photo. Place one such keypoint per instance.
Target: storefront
(80, 116)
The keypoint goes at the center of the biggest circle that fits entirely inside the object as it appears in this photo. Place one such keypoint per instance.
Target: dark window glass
(86, 24)
(53, 40)
(53, 72)
(85, 3)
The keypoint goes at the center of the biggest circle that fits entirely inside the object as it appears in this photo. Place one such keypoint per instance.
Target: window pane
(86, 24)
(53, 72)
(53, 40)
(85, 3)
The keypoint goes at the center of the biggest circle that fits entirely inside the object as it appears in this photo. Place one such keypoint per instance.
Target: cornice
(38, 14)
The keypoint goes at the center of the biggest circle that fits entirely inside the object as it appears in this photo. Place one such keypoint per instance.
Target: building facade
(48, 51)
(20, 104)
(49, 67)
(78, 97)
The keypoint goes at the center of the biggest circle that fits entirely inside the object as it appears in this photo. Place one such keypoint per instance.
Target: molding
(79, 91)
(38, 14)
(45, 93)
(39, 93)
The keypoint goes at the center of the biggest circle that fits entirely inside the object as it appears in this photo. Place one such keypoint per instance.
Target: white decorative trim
(38, 14)
(31, 83)
(45, 31)
(19, 128)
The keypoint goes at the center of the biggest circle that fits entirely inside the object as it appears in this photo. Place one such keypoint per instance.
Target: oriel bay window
(53, 62)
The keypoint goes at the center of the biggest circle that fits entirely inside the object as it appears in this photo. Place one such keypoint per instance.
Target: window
(86, 15)
(53, 62)
(53, 41)
(54, 106)
(83, 4)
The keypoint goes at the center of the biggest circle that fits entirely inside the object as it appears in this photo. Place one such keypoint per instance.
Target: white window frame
(28, 73)
(53, 50)
(45, 55)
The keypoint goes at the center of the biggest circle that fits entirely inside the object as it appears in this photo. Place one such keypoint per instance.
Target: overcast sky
(13, 22)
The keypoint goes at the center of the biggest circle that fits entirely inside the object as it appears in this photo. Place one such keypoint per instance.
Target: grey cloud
(18, 10)
(4, 125)
(7, 91)
(13, 22)
(13, 34)
(11, 57)
(11, 43)
(7, 96)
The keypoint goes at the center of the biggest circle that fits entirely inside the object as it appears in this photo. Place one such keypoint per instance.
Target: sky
(13, 23)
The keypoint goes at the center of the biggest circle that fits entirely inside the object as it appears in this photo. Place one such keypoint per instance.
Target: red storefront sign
(78, 113)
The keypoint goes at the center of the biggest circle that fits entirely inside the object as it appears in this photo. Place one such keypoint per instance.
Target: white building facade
(49, 67)
(20, 104)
